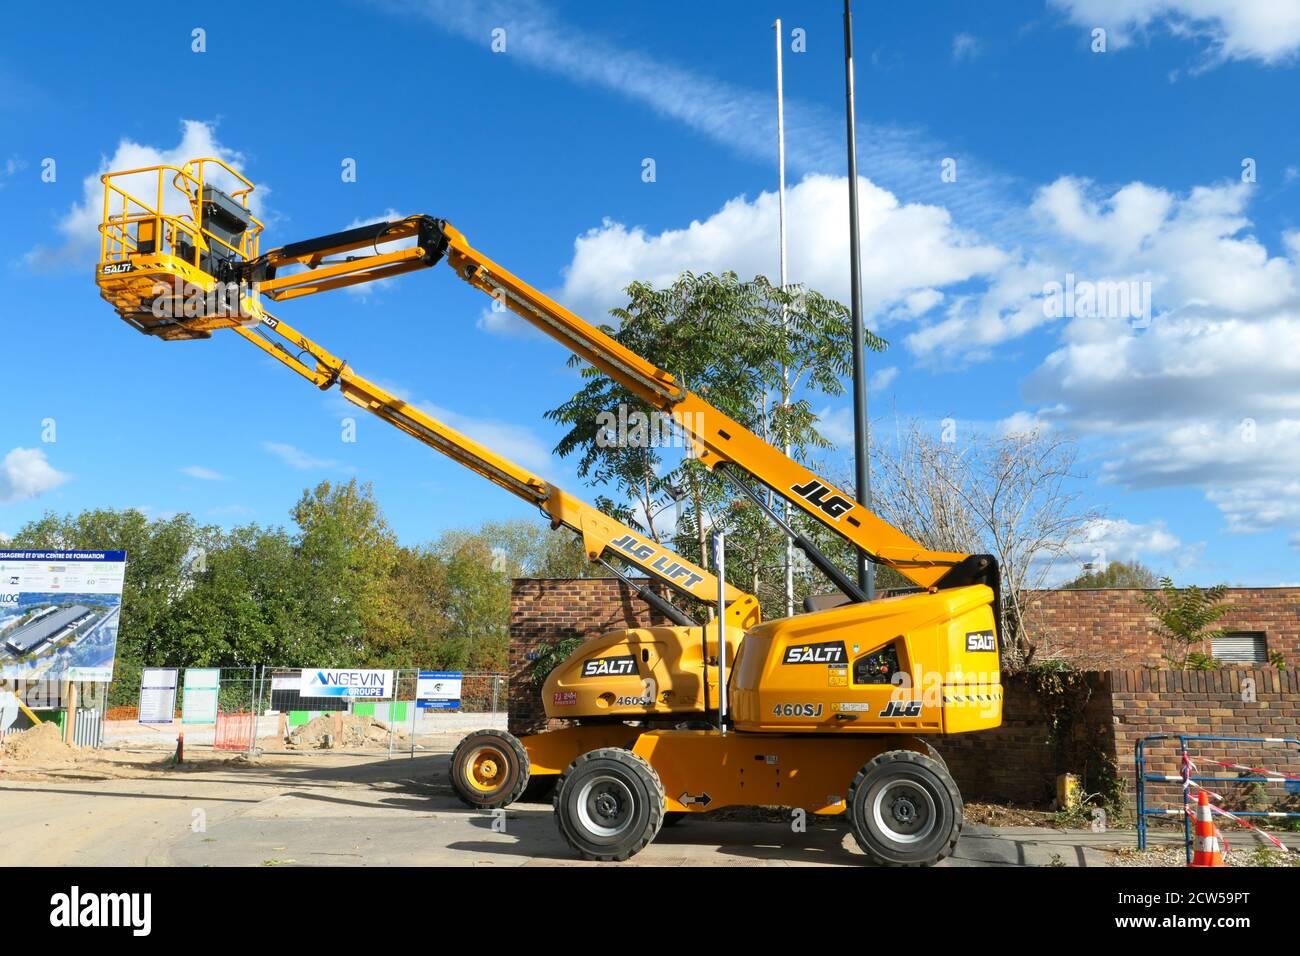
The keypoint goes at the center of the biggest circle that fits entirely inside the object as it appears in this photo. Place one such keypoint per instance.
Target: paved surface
(326, 809)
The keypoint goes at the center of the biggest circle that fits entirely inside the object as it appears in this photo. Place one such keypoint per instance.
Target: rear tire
(609, 804)
(905, 810)
(489, 769)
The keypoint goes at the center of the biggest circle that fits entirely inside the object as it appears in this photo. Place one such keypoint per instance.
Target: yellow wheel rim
(486, 769)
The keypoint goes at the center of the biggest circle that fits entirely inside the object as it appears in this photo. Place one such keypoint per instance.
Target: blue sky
(1117, 165)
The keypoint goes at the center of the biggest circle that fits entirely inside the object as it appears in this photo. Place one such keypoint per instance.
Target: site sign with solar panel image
(59, 614)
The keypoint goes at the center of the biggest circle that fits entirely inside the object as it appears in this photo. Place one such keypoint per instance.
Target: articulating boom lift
(824, 710)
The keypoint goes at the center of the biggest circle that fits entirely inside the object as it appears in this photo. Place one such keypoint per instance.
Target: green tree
(1116, 574)
(736, 344)
(1187, 618)
(349, 554)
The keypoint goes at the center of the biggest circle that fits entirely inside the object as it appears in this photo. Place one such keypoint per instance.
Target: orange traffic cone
(1209, 847)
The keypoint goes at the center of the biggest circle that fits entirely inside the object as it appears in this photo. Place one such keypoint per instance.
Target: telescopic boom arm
(718, 439)
(146, 244)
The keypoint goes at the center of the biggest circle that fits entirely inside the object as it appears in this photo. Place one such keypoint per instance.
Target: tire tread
(641, 768)
(937, 767)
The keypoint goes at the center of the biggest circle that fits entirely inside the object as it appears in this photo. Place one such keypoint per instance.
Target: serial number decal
(797, 710)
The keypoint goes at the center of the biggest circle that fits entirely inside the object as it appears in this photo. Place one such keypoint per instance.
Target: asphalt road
(366, 811)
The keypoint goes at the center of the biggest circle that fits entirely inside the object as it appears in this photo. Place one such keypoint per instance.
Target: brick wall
(546, 611)
(1018, 762)
(1108, 627)
(1223, 703)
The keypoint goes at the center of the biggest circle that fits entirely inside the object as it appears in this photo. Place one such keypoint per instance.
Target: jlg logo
(902, 708)
(815, 493)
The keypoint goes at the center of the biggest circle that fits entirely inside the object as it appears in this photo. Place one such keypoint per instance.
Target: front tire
(609, 804)
(905, 810)
(489, 769)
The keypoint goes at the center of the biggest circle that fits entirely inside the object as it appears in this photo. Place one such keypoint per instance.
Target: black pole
(861, 425)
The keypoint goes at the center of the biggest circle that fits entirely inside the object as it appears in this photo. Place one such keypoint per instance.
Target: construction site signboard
(199, 705)
(351, 683)
(158, 695)
(59, 614)
(438, 690)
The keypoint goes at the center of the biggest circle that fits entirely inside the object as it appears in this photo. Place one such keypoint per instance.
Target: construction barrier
(234, 732)
(1190, 778)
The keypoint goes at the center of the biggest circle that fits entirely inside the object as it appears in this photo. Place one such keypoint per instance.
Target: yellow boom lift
(825, 711)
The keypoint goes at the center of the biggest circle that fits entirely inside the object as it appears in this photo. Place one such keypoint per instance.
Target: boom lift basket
(172, 243)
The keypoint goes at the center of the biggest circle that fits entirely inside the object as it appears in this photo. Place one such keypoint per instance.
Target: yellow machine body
(919, 663)
(657, 672)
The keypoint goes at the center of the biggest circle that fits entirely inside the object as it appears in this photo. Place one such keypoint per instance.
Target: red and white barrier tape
(1276, 776)
(1240, 820)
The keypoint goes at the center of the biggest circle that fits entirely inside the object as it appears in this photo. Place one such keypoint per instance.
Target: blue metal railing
(1185, 778)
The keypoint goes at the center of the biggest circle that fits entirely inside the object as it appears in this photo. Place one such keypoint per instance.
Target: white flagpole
(785, 373)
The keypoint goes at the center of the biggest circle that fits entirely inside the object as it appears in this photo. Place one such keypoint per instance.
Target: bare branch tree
(1008, 495)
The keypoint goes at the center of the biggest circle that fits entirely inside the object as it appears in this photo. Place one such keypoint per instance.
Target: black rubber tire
(513, 780)
(674, 817)
(619, 785)
(540, 789)
(935, 755)
(925, 793)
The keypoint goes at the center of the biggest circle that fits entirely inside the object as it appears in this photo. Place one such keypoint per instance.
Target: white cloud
(1023, 423)
(496, 319)
(1264, 30)
(511, 441)
(882, 379)
(914, 248)
(297, 458)
(25, 474)
(203, 474)
(1205, 396)
(836, 425)
(1118, 539)
(515, 442)
(80, 225)
(965, 46)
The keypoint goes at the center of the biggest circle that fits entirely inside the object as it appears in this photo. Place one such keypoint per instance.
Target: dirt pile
(43, 742)
(354, 732)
